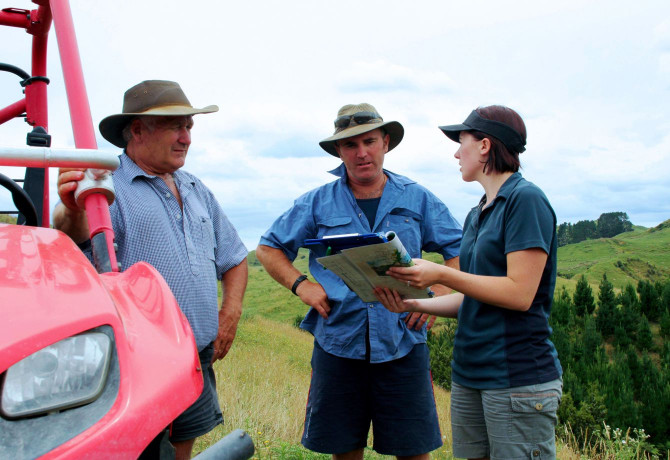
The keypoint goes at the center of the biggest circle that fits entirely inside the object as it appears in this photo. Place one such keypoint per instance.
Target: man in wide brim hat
(355, 119)
(150, 98)
(376, 361)
(167, 217)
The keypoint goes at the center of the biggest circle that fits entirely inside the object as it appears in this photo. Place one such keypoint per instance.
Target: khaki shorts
(509, 423)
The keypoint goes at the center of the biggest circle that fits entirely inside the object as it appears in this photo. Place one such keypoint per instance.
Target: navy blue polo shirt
(496, 347)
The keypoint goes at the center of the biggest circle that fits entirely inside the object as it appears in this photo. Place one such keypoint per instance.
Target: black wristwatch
(298, 280)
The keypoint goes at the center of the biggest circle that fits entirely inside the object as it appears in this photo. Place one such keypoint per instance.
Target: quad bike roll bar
(34, 104)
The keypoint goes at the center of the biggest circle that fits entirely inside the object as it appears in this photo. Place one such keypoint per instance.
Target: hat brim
(453, 131)
(392, 128)
(111, 127)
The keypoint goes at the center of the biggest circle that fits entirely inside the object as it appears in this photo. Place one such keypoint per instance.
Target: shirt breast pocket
(208, 241)
(334, 226)
(407, 225)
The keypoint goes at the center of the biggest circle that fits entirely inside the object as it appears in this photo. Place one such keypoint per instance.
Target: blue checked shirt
(417, 216)
(192, 248)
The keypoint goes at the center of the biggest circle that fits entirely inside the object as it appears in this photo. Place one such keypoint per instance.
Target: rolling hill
(628, 257)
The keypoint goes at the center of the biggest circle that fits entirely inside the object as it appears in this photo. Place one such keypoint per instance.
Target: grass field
(626, 258)
(263, 385)
(264, 380)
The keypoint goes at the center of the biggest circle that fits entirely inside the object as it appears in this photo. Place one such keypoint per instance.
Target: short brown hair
(501, 159)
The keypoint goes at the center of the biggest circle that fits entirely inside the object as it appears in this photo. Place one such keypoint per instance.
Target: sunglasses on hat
(359, 118)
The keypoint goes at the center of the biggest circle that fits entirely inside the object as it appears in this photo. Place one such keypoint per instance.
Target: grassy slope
(626, 258)
(263, 385)
(263, 382)
(267, 298)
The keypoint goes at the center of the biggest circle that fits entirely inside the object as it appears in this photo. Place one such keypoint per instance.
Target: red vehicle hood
(48, 290)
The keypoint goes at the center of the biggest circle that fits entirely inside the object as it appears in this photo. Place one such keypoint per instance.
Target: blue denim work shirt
(192, 247)
(417, 216)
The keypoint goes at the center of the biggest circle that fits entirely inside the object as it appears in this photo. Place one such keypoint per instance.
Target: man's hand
(68, 179)
(67, 216)
(234, 283)
(315, 296)
(416, 320)
(228, 320)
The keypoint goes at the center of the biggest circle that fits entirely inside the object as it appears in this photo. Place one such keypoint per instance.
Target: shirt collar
(505, 189)
(509, 185)
(132, 171)
(395, 179)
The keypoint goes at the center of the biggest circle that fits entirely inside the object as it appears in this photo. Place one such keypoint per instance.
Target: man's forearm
(234, 283)
(278, 266)
(72, 223)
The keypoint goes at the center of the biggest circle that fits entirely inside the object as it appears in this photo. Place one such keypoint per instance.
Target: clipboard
(336, 243)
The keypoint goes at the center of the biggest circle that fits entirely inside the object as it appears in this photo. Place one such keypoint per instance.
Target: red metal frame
(37, 23)
(49, 291)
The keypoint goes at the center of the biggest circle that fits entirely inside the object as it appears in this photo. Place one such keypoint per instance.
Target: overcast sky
(590, 78)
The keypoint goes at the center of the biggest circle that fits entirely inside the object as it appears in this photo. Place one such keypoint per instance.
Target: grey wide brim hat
(392, 128)
(150, 98)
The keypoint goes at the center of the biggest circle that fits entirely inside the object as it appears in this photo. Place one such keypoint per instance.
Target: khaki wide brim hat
(392, 128)
(151, 98)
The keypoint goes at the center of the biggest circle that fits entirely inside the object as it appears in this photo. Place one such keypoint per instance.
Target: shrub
(441, 346)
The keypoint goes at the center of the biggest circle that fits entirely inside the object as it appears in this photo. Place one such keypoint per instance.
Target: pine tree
(652, 406)
(613, 223)
(592, 338)
(622, 340)
(622, 409)
(606, 315)
(644, 337)
(650, 303)
(561, 309)
(665, 324)
(635, 371)
(563, 234)
(665, 296)
(583, 230)
(583, 298)
(630, 310)
(665, 360)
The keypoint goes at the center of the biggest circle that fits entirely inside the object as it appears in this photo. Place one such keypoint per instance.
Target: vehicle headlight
(68, 373)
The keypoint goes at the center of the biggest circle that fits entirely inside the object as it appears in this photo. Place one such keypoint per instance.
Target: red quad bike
(94, 362)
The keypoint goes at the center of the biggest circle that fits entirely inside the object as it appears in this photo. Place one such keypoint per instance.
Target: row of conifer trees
(615, 352)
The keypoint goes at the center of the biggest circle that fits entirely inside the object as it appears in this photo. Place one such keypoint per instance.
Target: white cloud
(589, 78)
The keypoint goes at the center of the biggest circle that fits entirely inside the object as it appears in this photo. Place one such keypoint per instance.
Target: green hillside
(643, 254)
(267, 298)
(613, 373)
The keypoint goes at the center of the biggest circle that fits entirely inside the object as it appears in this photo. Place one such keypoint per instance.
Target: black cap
(501, 131)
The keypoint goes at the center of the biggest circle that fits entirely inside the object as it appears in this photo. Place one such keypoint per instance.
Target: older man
(368, 365)
(167, 217)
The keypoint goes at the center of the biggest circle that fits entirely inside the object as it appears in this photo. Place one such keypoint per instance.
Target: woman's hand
(422, 274)
(392, 300)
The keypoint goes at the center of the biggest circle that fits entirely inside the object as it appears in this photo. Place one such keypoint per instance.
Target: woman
(506, 378)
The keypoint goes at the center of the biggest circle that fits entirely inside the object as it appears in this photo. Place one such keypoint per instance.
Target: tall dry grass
(263, 385)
